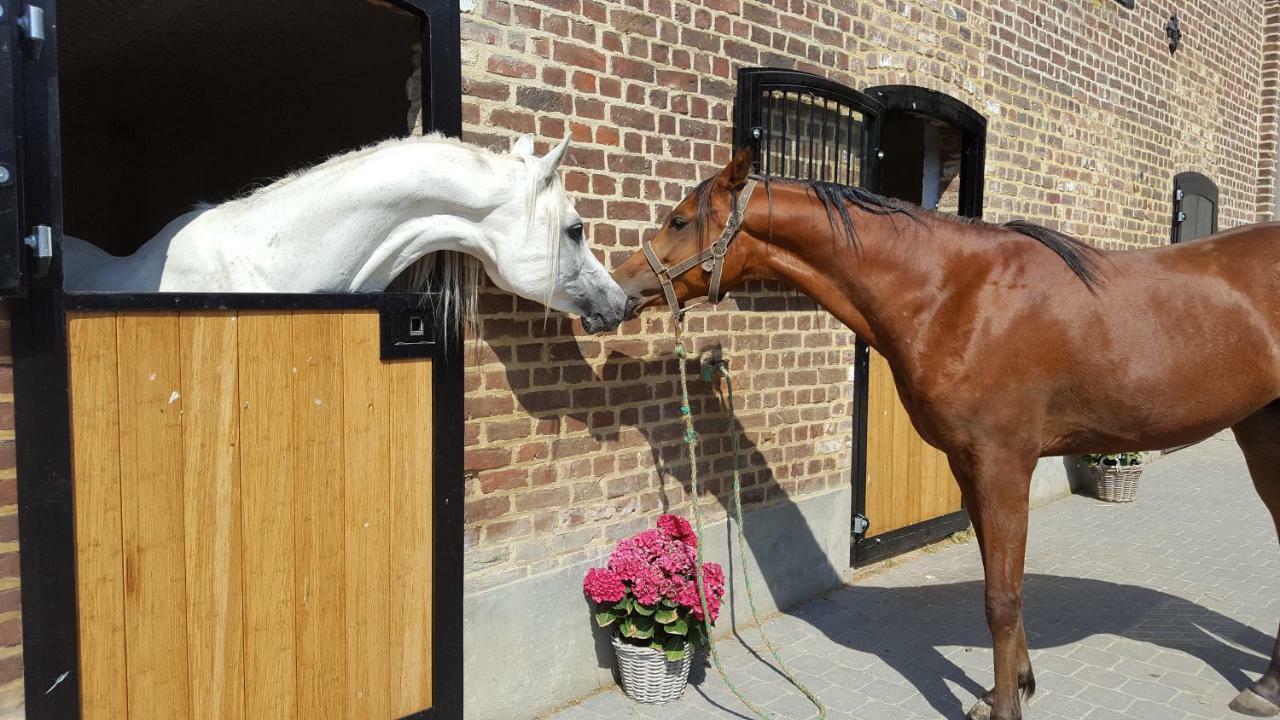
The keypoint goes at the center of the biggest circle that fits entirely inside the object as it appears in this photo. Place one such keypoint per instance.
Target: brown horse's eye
(678, 222)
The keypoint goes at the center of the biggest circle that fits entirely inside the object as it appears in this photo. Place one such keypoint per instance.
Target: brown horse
(1009, 343)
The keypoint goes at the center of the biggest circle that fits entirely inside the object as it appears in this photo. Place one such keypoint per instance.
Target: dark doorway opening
(168, 105)
(934, 147)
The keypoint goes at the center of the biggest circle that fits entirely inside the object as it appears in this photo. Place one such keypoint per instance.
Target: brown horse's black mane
(836, 198)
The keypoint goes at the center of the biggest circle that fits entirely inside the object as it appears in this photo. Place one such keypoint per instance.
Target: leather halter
(711, 259)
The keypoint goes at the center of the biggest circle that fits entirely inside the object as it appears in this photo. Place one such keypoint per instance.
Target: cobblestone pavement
(1156, 610)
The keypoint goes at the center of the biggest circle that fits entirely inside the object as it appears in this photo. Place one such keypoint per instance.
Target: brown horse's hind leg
(995, 485)
(1259, 438)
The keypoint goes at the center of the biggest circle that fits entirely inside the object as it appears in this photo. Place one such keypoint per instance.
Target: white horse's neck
(349, 225)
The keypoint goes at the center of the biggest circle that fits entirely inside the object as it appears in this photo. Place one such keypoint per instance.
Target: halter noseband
(711, 259)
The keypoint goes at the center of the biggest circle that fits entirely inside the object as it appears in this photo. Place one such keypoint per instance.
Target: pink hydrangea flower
(649, 586)
(603, 586)
(655, 564)
(677, 528)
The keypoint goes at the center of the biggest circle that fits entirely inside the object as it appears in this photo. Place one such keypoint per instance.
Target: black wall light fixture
(1174, 32)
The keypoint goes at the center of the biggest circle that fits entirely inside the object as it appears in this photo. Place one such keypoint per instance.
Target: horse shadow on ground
(910, 628)
(563, 387)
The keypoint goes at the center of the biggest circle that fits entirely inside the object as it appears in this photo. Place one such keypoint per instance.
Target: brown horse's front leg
(996, 485)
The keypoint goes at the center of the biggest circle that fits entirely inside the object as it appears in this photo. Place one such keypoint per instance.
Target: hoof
(980, 711)
(1250, 703)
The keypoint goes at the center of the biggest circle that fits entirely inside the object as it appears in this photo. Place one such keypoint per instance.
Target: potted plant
(1115, 476)
(648, 595)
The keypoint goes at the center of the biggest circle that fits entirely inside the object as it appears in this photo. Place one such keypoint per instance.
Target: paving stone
(1134, 612)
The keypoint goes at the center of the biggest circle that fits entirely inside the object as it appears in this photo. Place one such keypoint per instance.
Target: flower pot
(1115, 483)
(647, 675)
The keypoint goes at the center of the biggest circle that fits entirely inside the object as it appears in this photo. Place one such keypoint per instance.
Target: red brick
(486, 509)
(511, 67)
(545, 498)
(579, 56)
(502, 480)
(485, 459)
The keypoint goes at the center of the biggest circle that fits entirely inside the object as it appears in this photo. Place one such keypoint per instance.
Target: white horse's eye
(575, 232)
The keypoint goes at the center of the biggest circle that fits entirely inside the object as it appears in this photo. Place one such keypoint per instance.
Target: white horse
(357, 221)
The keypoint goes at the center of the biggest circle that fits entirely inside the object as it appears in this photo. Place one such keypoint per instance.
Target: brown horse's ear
(734, 175)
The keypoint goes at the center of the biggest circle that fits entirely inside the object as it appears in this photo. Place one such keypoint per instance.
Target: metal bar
(244, 301)
(782, 161)
(766, 122)
(11, 230)
(46, 512)
(442, 70)
(909, 538)
(813, 100)
(852, 156)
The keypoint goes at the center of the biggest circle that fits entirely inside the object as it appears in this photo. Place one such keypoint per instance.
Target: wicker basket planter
(1115, 483)
(647, 675)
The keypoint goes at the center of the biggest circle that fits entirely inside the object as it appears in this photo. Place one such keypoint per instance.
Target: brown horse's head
(689, 229)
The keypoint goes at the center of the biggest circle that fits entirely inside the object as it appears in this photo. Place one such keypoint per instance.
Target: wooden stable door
(908, 480)
(253, 516)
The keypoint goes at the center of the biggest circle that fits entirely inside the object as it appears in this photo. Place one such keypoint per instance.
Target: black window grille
(805, 127)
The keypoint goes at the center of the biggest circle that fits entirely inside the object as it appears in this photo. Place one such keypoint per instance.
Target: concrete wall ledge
(532, 645)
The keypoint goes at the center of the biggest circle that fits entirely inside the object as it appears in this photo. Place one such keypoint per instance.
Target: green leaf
(675, 649)
(643, 610)
(605, 618)
(643, 627)
(695, 636)
(665, 616)
(627, 628)
(679, 627)
(669, 603)
(624, 605)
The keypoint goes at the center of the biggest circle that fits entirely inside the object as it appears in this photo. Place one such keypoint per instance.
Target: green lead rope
(691, 440)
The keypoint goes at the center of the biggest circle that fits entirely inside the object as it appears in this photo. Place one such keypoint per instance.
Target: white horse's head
(553, 264)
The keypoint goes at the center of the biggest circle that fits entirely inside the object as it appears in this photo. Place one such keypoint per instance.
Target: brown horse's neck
(884, 289)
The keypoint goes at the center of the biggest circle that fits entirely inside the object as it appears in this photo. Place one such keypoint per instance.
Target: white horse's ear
(523, 146)
(551, 161)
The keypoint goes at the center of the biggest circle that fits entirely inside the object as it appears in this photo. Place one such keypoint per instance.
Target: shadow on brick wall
(635, 391)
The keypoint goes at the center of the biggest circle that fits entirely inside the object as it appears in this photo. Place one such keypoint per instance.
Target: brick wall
(1269, 119)
(10, 602)
(573, 441)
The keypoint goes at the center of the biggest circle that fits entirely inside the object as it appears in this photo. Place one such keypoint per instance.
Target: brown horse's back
(1179, 342)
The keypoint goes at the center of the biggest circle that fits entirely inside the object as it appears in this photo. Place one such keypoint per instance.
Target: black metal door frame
(46, 514)
(973, 126)
(1191, 183)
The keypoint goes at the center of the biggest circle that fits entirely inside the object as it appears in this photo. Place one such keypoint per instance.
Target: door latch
(41, 243)
(407, 332)
(32, 24)
(860, 526)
